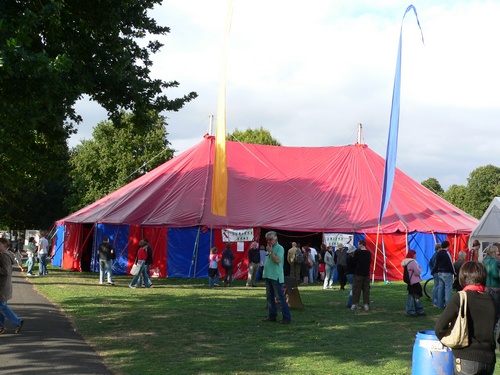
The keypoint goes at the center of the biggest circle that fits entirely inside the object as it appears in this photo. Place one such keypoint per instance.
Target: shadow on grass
(182, 326)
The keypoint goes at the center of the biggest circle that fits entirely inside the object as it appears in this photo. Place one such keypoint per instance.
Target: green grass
(180, 326)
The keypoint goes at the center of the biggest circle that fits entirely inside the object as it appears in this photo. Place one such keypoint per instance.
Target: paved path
(47, 343)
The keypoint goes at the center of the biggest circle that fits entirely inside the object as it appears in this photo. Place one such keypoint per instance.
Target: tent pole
(376, 251)
(385, 260)
(194, 252)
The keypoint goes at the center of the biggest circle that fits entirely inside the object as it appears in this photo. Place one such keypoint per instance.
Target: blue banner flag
(392, 141)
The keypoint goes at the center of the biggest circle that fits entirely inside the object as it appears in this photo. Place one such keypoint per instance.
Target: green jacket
(492, 267)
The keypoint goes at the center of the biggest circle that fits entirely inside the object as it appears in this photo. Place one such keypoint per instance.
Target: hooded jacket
(414, 270)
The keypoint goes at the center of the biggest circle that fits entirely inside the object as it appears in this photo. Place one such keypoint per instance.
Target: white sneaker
(354, 307)
(367, 308)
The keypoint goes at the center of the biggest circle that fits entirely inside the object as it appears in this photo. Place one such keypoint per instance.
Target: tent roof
(328, 189)
(488, 227)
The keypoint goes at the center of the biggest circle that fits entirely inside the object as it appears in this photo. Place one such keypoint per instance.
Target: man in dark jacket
(253, 263)
(443, 267)
(227, 264)
(106, 256)
(340, 259)
(363, 259)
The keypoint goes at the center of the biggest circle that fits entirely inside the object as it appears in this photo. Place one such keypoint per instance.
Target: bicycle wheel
(428, 287)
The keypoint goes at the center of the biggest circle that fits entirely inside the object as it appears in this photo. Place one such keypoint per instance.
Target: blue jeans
(141, 276)
(105, 266)
(274, 290)
(213, 276)
(445, 286)
(329, 272)
(315, 272)
(311, 274)
(29, 264)
(42, 265)
(7, 313)
(465, 367)
(414, 306)
(435, 290)
(350, 280)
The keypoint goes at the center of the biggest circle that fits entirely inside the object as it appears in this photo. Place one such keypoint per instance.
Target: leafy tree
(483, 185)
(257, 136)
(114, 157)
(433, 185)
(51, 53)
(457, 195)
(33, 197)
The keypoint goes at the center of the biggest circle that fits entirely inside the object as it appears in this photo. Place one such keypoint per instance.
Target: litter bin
(430, 357)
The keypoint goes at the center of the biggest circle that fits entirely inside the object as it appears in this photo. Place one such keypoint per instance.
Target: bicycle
(428, 287)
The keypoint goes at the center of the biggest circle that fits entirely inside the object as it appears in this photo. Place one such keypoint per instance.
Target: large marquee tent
(306, 194)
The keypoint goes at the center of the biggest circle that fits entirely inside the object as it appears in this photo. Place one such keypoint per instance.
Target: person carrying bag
(477, 307)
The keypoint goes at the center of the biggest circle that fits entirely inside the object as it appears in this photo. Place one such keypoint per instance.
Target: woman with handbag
(140, 260)
(478, 356)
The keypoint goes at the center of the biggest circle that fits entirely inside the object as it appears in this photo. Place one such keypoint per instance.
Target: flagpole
(375, 258)
(220, 177)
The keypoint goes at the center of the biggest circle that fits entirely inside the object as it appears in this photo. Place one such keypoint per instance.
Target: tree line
(483, 184)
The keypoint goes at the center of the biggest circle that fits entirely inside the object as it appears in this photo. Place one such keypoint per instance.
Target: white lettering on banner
(237, 235)
(332, 239)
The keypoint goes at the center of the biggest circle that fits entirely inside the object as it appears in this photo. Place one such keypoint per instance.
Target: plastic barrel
(430, 357)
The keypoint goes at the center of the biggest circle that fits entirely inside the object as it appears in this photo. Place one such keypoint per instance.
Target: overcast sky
(310, 71)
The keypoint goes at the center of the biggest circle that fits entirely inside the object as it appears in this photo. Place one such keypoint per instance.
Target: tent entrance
(285, 239)
(88, 241)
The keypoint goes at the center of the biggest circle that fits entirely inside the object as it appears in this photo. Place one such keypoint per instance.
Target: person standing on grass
(42, 255)
(294, 266)
(462, 255)
(274, 276)
(432, 262)
(479, 356)
(6, 262)
(340, 259)
(253, 264)
(329, 269)
(349, 272)
(445, 272)
(492, 266)
(473, 253)
(149, 260)
(414, 305)
(106, 256)
(315, 256)
(31, 255)
(362, 259)
(227, 264)
(213, 267)
(140, 259)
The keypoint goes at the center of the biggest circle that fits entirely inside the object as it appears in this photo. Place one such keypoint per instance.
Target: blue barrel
(430, 357)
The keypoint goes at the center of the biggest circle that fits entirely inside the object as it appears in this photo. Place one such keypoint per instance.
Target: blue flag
(392, 141)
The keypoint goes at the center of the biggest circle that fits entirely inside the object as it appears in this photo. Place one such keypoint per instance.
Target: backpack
(227, 262)
(406, 274)
(299, 257)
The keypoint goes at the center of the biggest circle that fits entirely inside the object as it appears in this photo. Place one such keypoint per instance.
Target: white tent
(487, 230)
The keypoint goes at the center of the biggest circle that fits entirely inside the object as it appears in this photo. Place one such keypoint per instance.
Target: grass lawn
(180, 326)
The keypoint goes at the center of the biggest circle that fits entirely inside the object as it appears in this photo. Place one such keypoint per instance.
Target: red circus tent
(293, 190)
